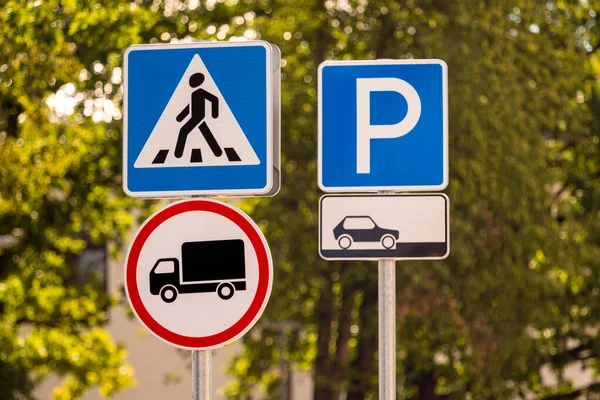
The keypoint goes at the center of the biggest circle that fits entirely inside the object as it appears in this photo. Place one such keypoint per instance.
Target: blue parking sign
(201, 118)
(383, 125)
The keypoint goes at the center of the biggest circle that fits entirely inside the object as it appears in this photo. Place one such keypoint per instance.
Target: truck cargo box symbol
(207, 266)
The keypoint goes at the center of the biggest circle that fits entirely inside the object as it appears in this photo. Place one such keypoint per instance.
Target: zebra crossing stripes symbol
(197, 127)
(196, 155)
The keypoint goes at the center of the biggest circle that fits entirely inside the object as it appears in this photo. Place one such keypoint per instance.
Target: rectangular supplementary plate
(372, 227)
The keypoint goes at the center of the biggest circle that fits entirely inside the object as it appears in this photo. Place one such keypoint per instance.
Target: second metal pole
(201, 375)
(387, 329)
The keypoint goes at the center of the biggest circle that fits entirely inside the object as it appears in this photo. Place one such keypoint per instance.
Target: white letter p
(365, 131)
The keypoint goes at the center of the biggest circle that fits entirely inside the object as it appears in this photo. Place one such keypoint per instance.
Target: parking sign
(383, 125)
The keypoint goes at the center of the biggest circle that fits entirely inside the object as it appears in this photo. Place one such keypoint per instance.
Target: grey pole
(201, 374)
(387, 329)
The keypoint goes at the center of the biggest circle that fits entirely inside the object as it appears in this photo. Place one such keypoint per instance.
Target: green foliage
(518, 290)
(59, 192)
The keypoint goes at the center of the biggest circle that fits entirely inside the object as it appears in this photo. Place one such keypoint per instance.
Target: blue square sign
(383, 125)
(201, 119)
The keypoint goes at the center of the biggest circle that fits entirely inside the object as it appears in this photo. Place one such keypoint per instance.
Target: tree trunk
(12, 110)
(426, 384)
(340, 362)
(364, 363)
(324, 311)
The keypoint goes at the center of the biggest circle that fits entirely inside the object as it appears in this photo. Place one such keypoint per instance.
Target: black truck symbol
(362, 228)
(208, 266)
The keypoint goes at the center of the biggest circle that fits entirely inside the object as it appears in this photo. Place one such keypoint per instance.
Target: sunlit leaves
(524, 190)
(520, 78)
(60, 190)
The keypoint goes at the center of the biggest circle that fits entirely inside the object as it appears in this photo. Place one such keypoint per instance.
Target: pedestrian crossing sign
(201, 119)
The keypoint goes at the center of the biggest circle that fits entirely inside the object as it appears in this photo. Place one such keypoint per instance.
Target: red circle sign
(198, 274)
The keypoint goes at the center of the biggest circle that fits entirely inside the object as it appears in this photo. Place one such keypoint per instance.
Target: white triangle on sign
(159, 150)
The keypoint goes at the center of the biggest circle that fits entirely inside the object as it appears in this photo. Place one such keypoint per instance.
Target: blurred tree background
(518, 294)
(62, 213)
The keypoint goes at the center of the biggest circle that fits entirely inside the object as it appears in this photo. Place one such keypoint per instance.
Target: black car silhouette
(362, 228)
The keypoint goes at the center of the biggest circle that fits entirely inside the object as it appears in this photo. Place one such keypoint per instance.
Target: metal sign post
(385, 227)
(201, 374)
(370, 140)
(387, 329)
(214, 108)
(180, 279)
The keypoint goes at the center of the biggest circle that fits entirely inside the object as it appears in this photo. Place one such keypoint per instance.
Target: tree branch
(593, 388)
(579, 353)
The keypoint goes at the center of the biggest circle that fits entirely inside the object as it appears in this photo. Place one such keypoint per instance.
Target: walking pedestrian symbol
(197, 127)
(202, 119)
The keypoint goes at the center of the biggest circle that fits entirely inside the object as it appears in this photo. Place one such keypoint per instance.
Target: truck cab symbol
(207, 266)
(362, 228)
